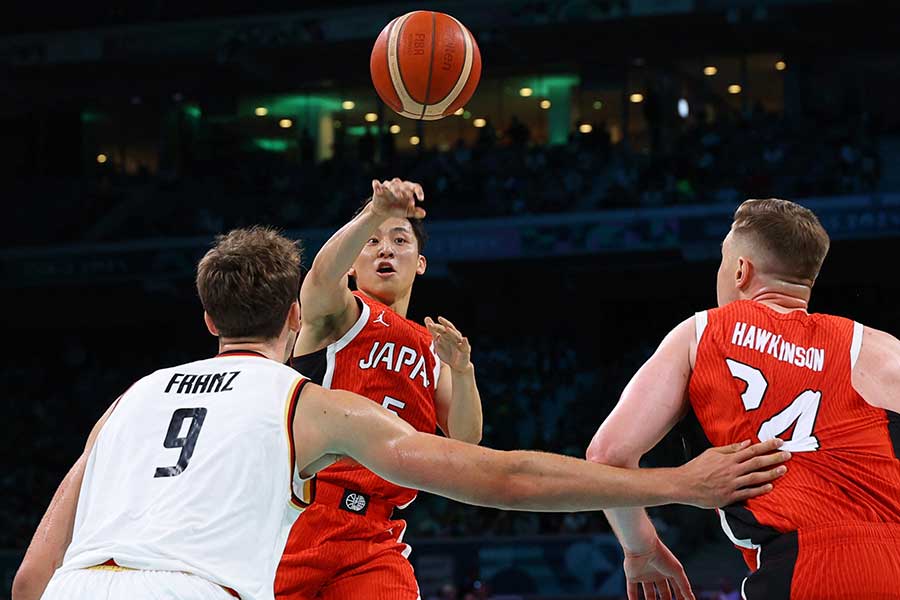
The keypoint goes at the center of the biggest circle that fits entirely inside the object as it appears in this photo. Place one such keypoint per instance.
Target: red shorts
(333, 553)
(859, 561)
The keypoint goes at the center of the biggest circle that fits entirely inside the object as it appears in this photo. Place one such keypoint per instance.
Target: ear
(423, 264)
(744, 273)
(209, 324)
(293, 317)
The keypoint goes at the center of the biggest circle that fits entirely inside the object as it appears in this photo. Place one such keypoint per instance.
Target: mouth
(385, 269)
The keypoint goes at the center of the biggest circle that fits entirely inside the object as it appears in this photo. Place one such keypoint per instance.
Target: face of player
(726, 290)
(389, 263)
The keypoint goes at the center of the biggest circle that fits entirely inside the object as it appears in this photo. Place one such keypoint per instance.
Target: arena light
(459, 111)
(710, 70)
(597, 105)
(348, 104)
(545, 104)
(285, 123)
(683, 108)
(636, 98)
(371, 117)
(261, 111)
(585, 128)
(734, 89)
(479, 122)
(395, 129)
(780, 65)
(101, 158)
(525, 92)
(414, 140)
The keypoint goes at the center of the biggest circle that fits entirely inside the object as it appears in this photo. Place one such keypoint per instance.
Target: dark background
(97, 256)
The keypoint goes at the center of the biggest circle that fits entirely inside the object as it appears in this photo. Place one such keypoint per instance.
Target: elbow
(607, 452)
(27, 584)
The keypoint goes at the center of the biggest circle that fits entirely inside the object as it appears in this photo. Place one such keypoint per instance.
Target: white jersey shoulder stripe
(701, 319)
(342, 343)
(856, 343)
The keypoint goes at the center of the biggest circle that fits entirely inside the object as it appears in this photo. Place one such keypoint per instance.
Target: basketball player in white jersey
(192, 479)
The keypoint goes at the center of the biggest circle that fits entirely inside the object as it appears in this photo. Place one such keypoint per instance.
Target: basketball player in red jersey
(362, 342)
(760, 366)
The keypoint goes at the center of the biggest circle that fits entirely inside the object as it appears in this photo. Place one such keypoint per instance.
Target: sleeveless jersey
(390, 360)
(761, 374)
(193, 472)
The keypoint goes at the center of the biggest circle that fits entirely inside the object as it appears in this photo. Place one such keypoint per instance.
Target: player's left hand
(658, 573)
(451, 346)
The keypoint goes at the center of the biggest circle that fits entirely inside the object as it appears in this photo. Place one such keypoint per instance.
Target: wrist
(373, 211)
(643, 549)
(468, 369)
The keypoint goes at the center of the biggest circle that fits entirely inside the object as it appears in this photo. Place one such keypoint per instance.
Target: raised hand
(397, 198)
(729, 474)
(451, 346)
(657, 572)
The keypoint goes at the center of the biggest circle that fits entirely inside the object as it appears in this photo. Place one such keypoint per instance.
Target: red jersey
(390, 360)
(761, 374)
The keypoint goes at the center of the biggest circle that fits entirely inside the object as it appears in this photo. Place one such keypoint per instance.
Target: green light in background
(270, 144)
(193, 111)
(88, 116)
(360, 130)
(290, 104)
(545, 85)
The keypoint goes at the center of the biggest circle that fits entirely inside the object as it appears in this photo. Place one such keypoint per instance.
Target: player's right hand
(728, 474)
(397, 198)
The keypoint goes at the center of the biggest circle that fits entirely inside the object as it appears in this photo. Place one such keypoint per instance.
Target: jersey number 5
(803, 410)
(186, 443)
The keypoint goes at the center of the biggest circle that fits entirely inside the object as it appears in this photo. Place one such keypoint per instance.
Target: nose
(385, 249)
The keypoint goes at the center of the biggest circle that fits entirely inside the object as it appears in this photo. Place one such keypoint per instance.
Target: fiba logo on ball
(355, 502)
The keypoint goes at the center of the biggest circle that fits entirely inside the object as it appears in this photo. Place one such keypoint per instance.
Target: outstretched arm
(48, 546)
(333, 422)
(325, 299)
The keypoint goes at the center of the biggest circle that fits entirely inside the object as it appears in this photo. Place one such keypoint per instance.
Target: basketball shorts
(129, 584)
(830, 562)
(343, 544)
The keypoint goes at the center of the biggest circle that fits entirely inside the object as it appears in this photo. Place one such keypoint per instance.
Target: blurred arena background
(576, 207)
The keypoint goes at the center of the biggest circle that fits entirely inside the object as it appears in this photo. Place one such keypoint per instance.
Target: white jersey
(193, 472)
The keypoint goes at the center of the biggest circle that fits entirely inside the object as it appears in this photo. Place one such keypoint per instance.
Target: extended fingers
(632, 589)
(764, 462)
(766, 447)
(760, 477)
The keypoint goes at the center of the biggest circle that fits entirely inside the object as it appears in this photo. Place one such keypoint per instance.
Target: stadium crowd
(218, 184)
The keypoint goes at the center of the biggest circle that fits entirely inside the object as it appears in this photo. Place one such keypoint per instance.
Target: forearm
(464, 418)
(336, 256)
(633, 529)
(524, 480)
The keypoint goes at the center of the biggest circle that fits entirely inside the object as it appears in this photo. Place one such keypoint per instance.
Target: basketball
(425, 65)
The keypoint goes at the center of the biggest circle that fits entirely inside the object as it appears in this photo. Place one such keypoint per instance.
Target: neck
(783, 296)
(271, 349)
(400, 305)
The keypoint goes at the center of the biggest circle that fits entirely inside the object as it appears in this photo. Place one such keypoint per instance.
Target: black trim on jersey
(894, 431)
(241, 352)
(744, 525)
(312, 365)
(693, 439)
(292, 412)
(772, 581)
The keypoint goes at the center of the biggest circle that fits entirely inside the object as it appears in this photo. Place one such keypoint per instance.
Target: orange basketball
(425, 65)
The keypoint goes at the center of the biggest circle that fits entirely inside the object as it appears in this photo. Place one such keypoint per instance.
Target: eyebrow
(401, 229)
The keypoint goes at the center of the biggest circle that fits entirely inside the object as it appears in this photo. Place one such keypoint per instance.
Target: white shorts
(90, 584)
